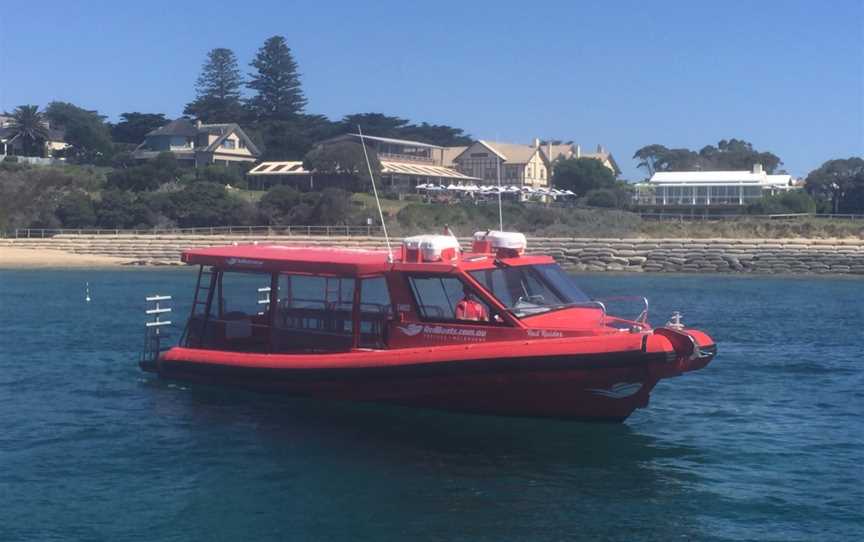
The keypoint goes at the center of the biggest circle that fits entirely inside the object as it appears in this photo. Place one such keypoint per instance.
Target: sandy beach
(22, 258)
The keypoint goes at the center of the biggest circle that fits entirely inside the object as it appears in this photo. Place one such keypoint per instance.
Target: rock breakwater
(766, 256)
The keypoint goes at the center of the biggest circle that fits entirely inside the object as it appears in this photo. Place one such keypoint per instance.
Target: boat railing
(641, 320)
(153, 330)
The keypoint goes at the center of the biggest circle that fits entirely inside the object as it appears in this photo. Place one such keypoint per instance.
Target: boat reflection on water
(512, 475)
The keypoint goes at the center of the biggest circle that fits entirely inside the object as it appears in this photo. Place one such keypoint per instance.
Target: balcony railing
(405, 158)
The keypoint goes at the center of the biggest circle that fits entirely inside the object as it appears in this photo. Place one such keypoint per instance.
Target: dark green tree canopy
(292, 139)
(582, 175)
(373, 124)
(209, 204)
(342, 157)
(148, 176)
(732, 154)
(87, 133)
(840, 181)
(76, 210)
(30, 125)
(378, 124)
(121, 209)
(278, 205)
(217, 90)
(276, 82)
(436, 134)
(134, 126)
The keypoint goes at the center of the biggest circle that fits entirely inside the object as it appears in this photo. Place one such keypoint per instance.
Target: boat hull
(606, 386)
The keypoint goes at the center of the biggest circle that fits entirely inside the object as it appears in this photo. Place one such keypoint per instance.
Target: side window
(445, 299)
(374, 297)
(375, 310)
(240, 293)
(317, 307)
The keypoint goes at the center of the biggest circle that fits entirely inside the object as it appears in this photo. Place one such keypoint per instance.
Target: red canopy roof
(282, 258)
(334, 261)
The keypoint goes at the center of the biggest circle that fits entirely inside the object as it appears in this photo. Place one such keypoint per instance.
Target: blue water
(767, 443)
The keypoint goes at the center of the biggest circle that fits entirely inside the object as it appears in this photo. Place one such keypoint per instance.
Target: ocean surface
(766, 443)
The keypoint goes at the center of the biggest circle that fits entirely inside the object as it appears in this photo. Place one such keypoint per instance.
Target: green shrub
(76, 210)
(794, 201)
(602, 197)
(203, 204)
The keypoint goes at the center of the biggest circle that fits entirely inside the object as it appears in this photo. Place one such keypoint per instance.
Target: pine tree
(218, 89)
(277, 83)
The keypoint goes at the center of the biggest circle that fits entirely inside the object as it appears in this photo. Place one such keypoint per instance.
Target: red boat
(491, 330)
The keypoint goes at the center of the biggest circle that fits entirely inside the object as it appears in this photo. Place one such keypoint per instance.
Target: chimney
(578, 151)
(599, 149)
(536, 142)
(757, 169)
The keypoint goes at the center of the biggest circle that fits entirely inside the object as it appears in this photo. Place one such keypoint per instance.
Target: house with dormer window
(520, 165)
(197, 145)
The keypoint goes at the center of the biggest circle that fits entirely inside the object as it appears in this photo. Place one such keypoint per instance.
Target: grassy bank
(538, 220)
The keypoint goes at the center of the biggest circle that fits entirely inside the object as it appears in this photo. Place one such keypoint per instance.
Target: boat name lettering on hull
(412, 330)
(545, 333)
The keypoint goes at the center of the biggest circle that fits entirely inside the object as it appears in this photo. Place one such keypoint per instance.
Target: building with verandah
(710, 189)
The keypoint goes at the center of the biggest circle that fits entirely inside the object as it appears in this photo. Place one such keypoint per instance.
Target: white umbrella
(452, 186)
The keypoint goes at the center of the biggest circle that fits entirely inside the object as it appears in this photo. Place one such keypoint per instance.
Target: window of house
(228, 144)
(241, 144)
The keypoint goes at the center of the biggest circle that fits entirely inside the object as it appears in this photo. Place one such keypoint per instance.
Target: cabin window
(528, 290)
(314, 313)
(375, 311)
(438, 298)
(238, 317)
(241, 292)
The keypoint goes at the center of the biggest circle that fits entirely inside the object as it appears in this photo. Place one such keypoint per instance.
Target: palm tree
(30, 125)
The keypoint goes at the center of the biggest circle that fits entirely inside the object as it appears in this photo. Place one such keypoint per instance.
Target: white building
(710, 188)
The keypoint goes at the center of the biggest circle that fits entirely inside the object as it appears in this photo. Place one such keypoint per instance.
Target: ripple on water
(766, 443)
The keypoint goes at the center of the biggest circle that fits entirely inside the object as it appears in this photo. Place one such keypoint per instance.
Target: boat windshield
(531, 289)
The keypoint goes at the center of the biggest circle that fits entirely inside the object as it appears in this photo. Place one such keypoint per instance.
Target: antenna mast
(375, 191)
(500, 211)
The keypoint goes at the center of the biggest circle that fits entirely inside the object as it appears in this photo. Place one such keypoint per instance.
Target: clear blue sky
(786, 75)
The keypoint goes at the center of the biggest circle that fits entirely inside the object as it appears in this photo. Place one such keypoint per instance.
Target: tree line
(270, 104)
(273, 113)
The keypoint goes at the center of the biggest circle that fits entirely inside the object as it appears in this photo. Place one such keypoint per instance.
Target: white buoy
(87, 292)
